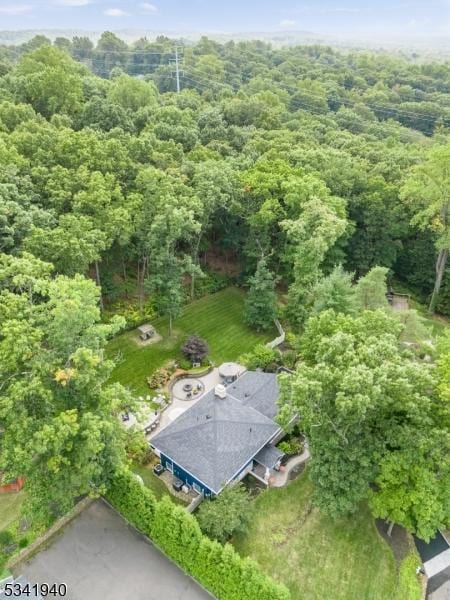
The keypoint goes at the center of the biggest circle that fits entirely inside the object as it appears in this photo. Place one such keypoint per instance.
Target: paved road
(100, 558)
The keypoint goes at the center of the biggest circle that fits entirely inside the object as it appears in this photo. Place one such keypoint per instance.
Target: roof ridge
(161, 435)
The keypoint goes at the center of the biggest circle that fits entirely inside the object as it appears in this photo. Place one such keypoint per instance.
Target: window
(169, 466)
(197, 488)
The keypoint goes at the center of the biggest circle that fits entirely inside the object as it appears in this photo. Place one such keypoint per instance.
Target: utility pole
(177, 70)
(176, 63)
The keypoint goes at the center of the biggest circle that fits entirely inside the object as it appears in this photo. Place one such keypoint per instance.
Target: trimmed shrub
(159, 378)
(177, 535)
(134, 501)
(291, 446)
(218, 568)
(260, 357)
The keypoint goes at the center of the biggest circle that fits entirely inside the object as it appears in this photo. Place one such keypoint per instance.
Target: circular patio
(187, 388)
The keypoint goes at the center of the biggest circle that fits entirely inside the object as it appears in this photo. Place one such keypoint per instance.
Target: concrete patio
(179, 406)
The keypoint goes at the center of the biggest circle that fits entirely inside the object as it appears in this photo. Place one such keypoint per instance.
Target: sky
(348, 18)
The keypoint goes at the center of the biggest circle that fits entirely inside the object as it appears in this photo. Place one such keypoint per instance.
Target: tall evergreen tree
(260, 305)
(371, 289)
(335, 291)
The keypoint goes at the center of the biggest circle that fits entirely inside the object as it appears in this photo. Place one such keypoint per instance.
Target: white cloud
(149, 8)
(287, 23)
(15, 9)
(116, 12)
(72, 2)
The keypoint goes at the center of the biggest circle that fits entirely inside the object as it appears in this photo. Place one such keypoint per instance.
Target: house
(228, 433)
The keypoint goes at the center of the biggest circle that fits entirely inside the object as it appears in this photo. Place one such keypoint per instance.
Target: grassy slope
(10, 505)
(313, 555)
(217, 318)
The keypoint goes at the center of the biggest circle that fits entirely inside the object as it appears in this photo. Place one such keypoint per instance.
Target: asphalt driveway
(100, 557)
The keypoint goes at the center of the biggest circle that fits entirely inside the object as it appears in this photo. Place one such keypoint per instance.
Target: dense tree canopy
(357, 393)
(333, 166)
(59, 419)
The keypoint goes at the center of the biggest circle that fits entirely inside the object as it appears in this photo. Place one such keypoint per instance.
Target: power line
(300, 105)
(351, 103)
(287, 54)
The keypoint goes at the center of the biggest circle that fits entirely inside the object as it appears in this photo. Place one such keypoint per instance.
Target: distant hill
(426, 46)
(130, 35)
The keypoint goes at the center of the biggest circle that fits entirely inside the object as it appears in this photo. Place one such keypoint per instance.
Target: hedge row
(218, 568)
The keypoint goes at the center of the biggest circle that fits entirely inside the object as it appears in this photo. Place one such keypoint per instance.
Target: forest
(311, 178)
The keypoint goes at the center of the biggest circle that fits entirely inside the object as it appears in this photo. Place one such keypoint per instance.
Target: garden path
(281, 478)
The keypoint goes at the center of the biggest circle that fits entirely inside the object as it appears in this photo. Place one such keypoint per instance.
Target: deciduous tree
(227, 514)
(356, 392)
(427, 190)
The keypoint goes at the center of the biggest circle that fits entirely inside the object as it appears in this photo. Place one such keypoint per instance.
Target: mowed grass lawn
(218, 318)
(10, 505)
(316, 557)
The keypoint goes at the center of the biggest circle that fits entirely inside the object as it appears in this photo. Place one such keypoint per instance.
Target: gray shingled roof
(258, 390)
(216, 437)
(269, 456)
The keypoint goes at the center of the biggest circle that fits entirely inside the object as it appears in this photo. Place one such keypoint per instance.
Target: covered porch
(265, 463)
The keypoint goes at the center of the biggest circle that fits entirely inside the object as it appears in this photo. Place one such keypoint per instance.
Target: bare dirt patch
(399, 541)
(222, 262)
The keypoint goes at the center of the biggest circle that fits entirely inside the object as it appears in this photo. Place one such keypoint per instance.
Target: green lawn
(10, 505)
(315, 556)
(153, 482)
(217, 318)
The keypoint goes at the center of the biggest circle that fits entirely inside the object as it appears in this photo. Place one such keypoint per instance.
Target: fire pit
(187, 388)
